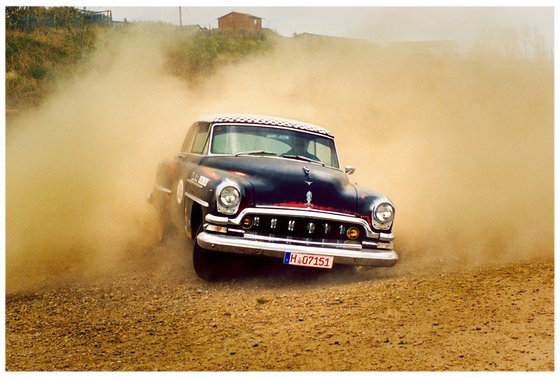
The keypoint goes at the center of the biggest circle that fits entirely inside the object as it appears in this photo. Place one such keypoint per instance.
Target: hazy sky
(380, 24)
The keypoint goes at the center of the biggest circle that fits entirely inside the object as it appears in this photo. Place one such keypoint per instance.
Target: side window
(200, 139)
(189, 139)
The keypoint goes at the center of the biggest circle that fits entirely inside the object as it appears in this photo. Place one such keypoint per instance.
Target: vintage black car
(259, 185)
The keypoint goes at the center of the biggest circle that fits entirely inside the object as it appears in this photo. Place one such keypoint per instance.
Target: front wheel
(211, 265)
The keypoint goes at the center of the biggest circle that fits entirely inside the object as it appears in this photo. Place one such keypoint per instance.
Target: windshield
(259, 140)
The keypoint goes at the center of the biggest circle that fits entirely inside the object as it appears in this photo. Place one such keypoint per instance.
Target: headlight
(229, 196)
(229, 199)
(384, 212)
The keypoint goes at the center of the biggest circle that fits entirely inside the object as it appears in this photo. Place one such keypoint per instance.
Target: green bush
(194, 56)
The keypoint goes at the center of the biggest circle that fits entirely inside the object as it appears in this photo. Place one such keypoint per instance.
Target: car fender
(202, 185)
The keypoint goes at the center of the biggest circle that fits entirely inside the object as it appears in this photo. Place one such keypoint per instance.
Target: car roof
(255, 119)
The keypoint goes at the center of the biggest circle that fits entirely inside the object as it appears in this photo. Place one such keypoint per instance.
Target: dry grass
(37, 60)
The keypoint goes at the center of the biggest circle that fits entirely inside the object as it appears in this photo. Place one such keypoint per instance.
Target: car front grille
(304, 228)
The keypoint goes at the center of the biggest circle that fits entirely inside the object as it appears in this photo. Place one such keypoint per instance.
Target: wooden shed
(239, 21)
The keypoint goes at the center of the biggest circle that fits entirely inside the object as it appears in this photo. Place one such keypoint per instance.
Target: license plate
(313, 261)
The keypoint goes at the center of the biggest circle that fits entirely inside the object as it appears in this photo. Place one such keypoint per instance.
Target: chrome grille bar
(309, 214)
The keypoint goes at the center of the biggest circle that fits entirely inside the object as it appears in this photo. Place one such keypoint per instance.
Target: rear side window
(189, 139)
(200, 139)
(196, 139)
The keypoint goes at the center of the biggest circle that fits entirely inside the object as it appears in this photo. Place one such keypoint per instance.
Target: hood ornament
(309, 197)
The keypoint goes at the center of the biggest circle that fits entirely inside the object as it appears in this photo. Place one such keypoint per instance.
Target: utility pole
(180, 17)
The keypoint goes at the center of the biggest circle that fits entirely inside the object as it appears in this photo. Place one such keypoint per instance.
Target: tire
(211, 265)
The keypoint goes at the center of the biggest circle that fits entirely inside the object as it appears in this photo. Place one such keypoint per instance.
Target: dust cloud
(463, 145)
(81, 167)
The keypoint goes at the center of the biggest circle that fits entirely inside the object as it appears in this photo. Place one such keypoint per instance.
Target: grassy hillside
(32, 62)
(36, 59)
(191, 56)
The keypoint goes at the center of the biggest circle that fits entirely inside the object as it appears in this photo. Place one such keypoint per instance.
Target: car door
(193, 150)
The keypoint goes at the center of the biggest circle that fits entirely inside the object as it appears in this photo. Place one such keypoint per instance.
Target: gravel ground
(157, 315)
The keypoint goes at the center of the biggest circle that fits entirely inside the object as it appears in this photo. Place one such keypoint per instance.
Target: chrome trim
(281, 211)
(234, 244)
(386, 237)
(377, 245)
(162, 189)
(197, 200)
(377, 223)
(291, 225)
(216, 228)
(298, 241)
(225, 209)
(195, 183)
(314, 214)
(310, 227)
(217, 219)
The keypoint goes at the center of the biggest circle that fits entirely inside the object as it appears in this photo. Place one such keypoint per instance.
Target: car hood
(291, 183)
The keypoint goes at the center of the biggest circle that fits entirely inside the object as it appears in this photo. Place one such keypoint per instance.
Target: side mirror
(349, 169)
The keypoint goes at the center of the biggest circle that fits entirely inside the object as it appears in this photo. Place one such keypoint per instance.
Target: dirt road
(156, 315)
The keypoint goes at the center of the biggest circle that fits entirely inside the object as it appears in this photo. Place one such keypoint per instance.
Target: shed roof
(243, 14)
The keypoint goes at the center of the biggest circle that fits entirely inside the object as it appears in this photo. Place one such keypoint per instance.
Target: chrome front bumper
(247, 246)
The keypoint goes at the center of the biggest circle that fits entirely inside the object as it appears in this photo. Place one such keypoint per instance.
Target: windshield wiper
(258, 152)
(304, 158)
